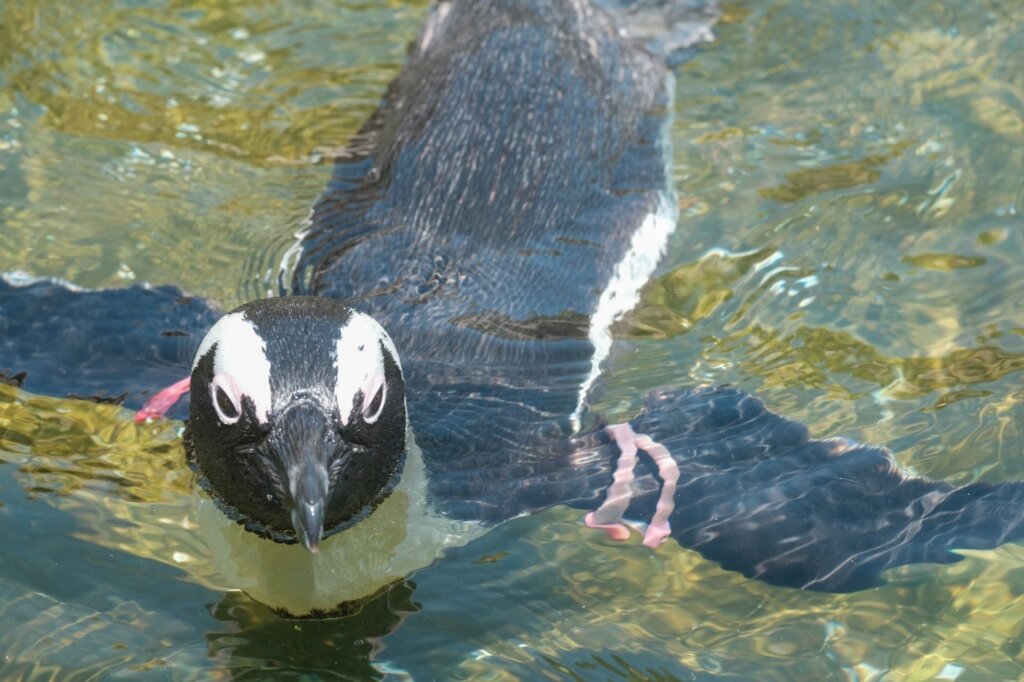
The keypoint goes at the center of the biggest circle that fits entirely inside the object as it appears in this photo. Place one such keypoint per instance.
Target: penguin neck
(401, 535)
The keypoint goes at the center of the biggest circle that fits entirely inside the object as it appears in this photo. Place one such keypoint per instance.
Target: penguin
(298, 432)
(296, 443)
(430, 372)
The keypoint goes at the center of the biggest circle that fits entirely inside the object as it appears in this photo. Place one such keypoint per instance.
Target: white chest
(403, 534)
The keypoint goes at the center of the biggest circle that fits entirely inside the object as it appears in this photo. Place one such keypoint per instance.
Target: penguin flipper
(110, 345)
(717, 471)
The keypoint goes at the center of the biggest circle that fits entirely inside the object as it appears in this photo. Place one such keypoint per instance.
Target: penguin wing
(111, 345)
(755, 493)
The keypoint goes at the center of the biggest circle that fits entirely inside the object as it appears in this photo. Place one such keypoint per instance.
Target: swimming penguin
(298, 418)
(489, 223)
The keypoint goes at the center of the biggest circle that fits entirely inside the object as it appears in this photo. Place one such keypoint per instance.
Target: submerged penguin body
(500, 210)
(513, 166)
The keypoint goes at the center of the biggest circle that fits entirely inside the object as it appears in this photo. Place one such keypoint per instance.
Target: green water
(851, 249)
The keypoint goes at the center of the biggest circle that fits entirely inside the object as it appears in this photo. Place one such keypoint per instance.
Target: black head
(297, 418)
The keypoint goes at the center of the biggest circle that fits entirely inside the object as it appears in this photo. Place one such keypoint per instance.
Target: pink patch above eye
(158, 405)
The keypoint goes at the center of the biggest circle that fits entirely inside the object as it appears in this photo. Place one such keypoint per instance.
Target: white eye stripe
(359, 362)
(240, 356)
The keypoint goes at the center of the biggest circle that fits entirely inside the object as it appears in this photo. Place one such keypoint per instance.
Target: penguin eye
(372, 411)
(226, 405)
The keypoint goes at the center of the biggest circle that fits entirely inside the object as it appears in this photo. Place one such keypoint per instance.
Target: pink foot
(158, 405)
(615, 531)
(608, 516)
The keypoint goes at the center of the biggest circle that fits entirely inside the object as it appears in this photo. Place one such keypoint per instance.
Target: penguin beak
(304, 443)
(307, 510)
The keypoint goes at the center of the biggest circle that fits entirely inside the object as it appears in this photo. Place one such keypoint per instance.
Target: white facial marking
(240, 367)
(359, 362)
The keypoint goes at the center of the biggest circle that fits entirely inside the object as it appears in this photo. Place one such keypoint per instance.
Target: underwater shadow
(257, 640)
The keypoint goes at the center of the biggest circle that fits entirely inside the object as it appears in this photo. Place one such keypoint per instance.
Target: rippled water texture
(851, 249)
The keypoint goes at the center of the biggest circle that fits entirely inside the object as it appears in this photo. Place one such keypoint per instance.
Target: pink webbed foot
(158, 405)
(608, 517)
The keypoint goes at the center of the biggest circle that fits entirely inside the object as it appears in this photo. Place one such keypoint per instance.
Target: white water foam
(20, 278)
(290, 259)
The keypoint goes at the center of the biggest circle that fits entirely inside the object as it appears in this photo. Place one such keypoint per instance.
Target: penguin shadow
(342, 644)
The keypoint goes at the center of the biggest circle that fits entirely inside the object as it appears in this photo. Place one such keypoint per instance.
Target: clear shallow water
(851, 249)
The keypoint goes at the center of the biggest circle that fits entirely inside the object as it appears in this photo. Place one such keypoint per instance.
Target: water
(851, 249)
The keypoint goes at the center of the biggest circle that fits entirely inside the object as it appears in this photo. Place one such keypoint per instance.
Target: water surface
(850, 248)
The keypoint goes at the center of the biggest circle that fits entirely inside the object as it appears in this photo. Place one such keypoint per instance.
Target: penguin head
(297, 420)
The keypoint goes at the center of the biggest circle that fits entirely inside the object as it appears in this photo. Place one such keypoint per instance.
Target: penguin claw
(608, 517)
(162, 401)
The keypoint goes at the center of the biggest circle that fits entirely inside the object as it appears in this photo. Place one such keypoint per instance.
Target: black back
(482, 211)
